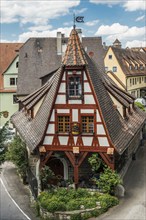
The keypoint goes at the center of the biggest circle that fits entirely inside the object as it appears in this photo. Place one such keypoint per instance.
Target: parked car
(141, 100)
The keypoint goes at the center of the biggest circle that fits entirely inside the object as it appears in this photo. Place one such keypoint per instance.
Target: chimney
(79, 31)
(59, 44)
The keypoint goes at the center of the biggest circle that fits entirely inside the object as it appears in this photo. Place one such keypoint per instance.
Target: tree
(3, 138)
(108, 180)
(17, 153)
(95, 162)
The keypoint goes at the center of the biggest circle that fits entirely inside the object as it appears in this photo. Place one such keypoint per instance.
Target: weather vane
(79, 19)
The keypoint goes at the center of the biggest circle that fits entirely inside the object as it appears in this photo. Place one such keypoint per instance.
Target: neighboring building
(78, 112)
(8, 79)
(41, 56)
(127, 66)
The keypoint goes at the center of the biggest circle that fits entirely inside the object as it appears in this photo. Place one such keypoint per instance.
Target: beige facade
(123, 70)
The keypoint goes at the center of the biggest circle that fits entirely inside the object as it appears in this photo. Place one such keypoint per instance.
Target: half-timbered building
(77, 112)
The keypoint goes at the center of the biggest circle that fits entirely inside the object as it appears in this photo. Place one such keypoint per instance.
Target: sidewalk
(18, 191)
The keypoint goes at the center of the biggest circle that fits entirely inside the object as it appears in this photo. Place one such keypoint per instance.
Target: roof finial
(74, 26)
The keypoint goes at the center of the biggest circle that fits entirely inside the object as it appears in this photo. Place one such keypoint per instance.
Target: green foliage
(17, 153)
(3, 138)
(95, 162)
(139, 105)
(64, 199)
(108, 180)
(107, 201)
(45, 174)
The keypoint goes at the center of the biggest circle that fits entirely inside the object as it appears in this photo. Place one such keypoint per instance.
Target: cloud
(80, 11)
(128, 5)
(122, 32)
(91, 23)
(36, 12)
(136, 43)
(114, 29)
(140, 18)
(135, 5)
(48, 33)
(40, 28)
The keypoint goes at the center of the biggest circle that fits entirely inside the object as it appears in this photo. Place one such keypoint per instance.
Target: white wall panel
(85, 77)
(63, 78)
(98, 116)
(87, 87)
(75, 101)
(75, 139)
(87, 141)
(63, 111)
(51, 129)
(100, 129)
(75, 115)
(89, 99)
(103, 141)
(53, 116)
(48, 140)
(63, 140)
(62, 87)
(91, 111)
(61, 99)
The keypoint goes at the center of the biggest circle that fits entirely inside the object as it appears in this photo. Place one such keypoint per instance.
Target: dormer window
(130, 67)
(74, 86)
(141, 67)
(136, 67)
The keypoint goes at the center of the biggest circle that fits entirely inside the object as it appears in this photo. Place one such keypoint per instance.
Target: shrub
(108, 180)
(107, 201)
(76, 217)
(17, 153)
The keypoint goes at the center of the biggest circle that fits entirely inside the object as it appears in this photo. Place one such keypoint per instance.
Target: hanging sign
(110, 150)
(75, 128)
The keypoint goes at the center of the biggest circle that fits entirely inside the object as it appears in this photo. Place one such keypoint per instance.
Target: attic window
(74, 86)
(130, 66)
(136, 67)
(141, 67)
(110, 57)
(17, 63)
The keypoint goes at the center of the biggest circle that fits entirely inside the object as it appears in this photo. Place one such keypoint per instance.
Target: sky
(122, 19)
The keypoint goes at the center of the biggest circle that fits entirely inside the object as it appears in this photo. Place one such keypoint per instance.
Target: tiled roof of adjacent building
(38, 57)
(121, 131)
(8, 52)
(131, 61)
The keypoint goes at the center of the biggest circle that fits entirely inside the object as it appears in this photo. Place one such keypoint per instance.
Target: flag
(79, 19)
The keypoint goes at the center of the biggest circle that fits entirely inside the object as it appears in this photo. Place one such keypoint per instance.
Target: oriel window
(63, 124)
(87, 124)
(74, 87)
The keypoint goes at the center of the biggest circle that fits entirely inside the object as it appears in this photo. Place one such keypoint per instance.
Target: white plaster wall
(87, 141)
(48, 140)
(100, 129)
(62, 87)
(75, 115)
(61, 99)
(103, 141)
(89, 99)
(51, 129)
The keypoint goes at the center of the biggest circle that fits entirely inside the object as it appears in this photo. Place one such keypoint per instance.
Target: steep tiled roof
(7, 54)
(74, 55)
(121, 131)
(128, 57)
(35, 64)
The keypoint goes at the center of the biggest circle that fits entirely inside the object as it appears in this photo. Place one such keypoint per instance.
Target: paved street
(133, 205)
(13, 192)
(8, 208)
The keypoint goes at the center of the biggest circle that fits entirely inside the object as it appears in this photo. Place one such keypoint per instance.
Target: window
(139, 79)
(136, 67)
(74, 86)
(87, 124)
(114, 69)
(141, 67)
(17, 63)
(15, 99)
(12, 81)
(63, 124)
(110, 57)
(130, 66)
(106, 68)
